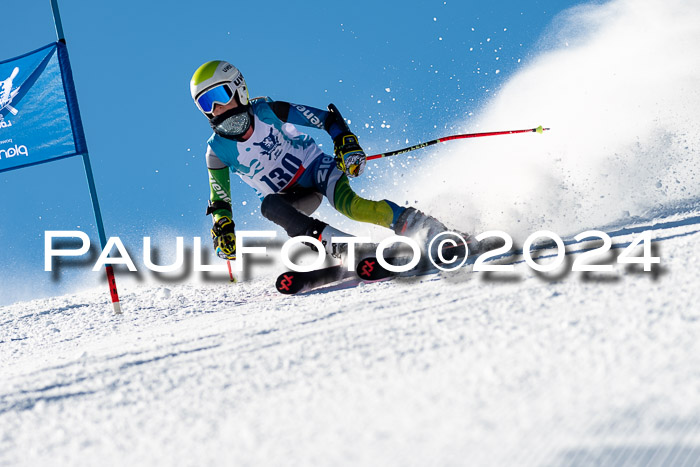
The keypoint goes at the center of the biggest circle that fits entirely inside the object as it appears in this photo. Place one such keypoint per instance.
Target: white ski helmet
(217, 82)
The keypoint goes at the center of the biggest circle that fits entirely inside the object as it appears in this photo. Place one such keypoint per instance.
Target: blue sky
(424, 70)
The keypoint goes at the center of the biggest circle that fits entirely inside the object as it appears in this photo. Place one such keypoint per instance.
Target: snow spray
(618, 84)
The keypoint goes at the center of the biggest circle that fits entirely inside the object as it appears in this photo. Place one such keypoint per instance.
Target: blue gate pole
(57, 21)
(90, 178)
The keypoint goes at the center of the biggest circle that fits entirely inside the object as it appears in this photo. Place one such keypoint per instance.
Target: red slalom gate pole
(539, 129)
(78, 126)
(113, 290)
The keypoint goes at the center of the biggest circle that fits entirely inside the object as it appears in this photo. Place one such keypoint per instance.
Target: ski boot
(417, 225)
(340, 250)
(420, 227)
(336, 250)
(423, 228)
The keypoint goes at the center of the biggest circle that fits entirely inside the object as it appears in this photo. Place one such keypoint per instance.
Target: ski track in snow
(456, 370)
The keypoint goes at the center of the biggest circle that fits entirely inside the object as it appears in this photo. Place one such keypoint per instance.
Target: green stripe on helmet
(205, 72)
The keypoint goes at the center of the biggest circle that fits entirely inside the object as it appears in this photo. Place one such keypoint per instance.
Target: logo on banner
(17, 150)
(32, 77)
(7, 93)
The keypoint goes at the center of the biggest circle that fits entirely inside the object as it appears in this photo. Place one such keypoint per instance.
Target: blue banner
(39, 118)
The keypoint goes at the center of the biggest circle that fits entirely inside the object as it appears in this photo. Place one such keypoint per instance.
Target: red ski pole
(539, 129)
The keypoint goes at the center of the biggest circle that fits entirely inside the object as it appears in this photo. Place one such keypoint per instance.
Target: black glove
(224, 234)
(349, 156)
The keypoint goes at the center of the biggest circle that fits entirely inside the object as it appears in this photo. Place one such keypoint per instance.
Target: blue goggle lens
(217, 95)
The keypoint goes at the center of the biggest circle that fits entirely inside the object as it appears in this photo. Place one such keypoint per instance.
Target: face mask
(233, 123)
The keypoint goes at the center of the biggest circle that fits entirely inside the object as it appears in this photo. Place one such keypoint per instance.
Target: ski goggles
(221, 94)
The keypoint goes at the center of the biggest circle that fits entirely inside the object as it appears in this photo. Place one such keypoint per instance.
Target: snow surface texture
(445, 371)
(457, 370)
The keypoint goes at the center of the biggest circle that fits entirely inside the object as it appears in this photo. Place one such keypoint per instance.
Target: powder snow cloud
(618, 84)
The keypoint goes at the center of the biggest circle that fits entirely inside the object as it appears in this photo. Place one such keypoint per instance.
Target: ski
(290, 282)
(369, 269)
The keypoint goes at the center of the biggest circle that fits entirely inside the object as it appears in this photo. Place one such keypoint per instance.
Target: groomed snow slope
(436, 371)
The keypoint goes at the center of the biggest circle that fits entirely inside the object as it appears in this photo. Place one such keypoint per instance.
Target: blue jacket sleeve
(305, 115)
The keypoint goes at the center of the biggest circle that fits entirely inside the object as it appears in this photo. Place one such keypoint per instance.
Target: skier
(257, 140)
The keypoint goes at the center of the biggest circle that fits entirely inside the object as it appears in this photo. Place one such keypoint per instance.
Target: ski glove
(349, 156)
(224, 236)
